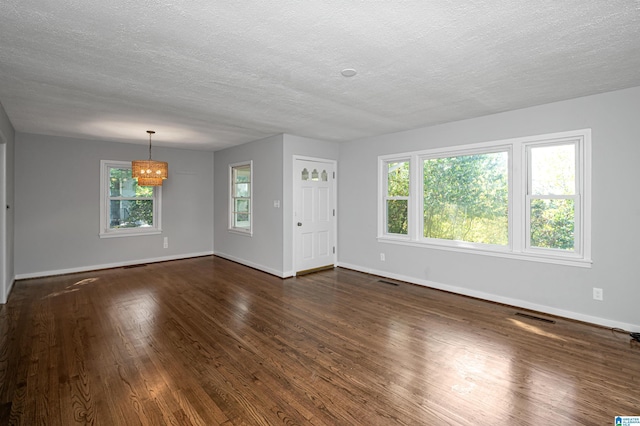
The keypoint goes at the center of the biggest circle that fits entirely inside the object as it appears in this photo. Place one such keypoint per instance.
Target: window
(126, 209)
(396, 197)
(466, 198)
(240, 206)
(552, 199)
(526, 198)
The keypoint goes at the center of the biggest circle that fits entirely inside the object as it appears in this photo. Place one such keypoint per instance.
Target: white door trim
(334, 163)
(3, 223)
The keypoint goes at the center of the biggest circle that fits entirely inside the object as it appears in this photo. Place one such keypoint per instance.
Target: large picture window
(527, 198)
(240, 203)
(466, 198)
(125, 207)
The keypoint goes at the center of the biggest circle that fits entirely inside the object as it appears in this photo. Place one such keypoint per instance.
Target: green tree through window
(552, 195)
(240, 197)
(466, 198)
(526, 198)
(397, 203)
(127, 209)
(131, 206)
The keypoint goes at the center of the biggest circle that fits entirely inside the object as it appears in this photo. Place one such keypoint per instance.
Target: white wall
(7, 137)
(555, 289)
(57, 183)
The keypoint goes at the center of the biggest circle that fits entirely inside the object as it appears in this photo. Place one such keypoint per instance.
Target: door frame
(4, 294)
(295, 197)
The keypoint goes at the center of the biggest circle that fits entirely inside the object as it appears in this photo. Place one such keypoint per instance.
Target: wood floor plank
(210, 342)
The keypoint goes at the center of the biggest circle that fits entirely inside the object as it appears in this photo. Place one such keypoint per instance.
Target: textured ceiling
(212, 74)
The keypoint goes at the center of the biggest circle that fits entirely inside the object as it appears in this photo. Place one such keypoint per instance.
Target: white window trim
(105, 231)
(517, 247)
(233, 229)
(382, 183)
(459, 151)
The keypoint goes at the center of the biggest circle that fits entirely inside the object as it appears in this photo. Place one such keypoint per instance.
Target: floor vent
(134, 266)
(387, 282)
(533, 317)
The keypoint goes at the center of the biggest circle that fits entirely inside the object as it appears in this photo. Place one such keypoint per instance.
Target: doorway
(314, 215)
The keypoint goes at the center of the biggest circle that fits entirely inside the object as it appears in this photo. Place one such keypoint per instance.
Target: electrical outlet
(597, 294)
(166, 242)
(382, 256)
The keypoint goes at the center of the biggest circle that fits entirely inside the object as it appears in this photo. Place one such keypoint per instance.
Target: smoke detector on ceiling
(349, 72)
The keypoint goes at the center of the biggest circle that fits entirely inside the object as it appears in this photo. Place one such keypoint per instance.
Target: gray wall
(56, 209)
(556, 289)
(7, 137)
(270, 249)
(57, 206)
(262, 250)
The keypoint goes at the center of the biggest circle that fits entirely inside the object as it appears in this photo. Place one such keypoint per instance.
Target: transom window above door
(323, 176)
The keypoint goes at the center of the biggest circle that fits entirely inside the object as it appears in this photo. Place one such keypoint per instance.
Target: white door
(314, 214)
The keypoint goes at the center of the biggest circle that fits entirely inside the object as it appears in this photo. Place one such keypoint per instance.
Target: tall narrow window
(240, 212)
(552, 196)
(397, 197)
(125, 207)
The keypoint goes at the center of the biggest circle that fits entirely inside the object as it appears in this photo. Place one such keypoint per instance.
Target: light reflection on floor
(241, 306)
(475, 372)
(536, 330)
(139, 308)
(72, 288)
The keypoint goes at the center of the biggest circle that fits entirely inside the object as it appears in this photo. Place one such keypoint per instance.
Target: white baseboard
(604, 322)
(288, 274)
(8, 291)
(109, 265)
(276, 272)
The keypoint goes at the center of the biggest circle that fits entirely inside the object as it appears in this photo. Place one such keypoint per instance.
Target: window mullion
(131, 198)
(518, 204)
(415, 198)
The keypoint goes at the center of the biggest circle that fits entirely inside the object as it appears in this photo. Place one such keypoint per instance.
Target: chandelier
(149, 172)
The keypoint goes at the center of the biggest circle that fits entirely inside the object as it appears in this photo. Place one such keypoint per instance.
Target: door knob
(299, 223)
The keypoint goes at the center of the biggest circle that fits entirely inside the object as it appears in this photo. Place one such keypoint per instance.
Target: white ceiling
(212, 74)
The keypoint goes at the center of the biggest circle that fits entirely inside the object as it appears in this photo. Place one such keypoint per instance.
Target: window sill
(130, 233)
(504, 253)
(240, 232)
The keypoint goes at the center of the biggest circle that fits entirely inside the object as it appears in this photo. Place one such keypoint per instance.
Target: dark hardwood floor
(209, 342)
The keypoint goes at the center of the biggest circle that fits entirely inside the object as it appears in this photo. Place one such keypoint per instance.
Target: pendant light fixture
(149, 172)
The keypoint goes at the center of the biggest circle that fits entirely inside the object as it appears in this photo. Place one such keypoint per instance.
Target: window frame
(105, 205)
(463, 151)
(576, 197)
(232, 228)
(519, 175)
(384, 184)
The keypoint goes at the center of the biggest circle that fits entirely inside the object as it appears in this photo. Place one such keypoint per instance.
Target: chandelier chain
(150, 133)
